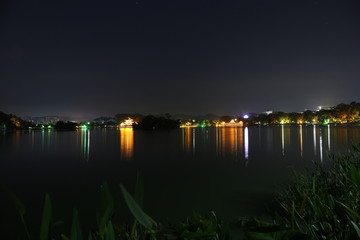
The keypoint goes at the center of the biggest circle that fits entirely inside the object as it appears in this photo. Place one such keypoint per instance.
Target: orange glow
(187, 139)
(15, 121)
(229, 141)
(126, 142)
(127, 123)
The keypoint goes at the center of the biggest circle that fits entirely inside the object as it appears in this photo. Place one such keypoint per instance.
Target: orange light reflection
(126, 142)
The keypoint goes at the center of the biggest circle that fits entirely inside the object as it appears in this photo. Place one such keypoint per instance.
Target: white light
(246, 116)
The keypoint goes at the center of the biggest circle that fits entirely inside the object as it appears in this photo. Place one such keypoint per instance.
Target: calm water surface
(233, 171)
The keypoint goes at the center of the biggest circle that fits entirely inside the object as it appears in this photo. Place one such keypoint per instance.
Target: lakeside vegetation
(341, 114)
(322, 203)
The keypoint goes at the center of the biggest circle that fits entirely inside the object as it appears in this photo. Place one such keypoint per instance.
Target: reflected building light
(314, 133)
(246, 143)
(301, 140)
(328, 132)
(42, 139)
(236, 142)
(85, 143)
(193, 140)
(282, 140)
(187, 136)
(320, 145)
(126, 143)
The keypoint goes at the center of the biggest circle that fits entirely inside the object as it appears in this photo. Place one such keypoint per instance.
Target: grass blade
(76, 233)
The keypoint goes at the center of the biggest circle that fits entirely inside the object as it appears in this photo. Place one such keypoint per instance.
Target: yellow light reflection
(126, 142)
(301, 140)
(282, 140)
(314, 133)
(229, 141)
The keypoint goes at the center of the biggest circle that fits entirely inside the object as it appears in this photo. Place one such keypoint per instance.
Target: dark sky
(95, 58)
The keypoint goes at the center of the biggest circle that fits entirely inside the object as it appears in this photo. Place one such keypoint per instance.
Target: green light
(42, 126)
(49, 126)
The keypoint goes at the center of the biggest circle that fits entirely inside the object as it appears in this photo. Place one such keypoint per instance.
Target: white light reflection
(246, 143)
(328, 127)
(314, 132)
(320, 145)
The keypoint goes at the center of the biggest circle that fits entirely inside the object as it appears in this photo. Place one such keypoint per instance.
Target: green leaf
(19, 206)
(136, 211)
(357, 229)
(107, 203)
(64, 237)
(110, 233)
(259, 236)
(46, 219)
(355, 175)
(76, 233)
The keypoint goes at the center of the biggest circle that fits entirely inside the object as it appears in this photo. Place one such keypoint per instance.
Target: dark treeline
(60, 125)
(152, 122)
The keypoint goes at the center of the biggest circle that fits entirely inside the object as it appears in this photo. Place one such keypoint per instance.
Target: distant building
(268, 112)
(324, 108)
(46, 120)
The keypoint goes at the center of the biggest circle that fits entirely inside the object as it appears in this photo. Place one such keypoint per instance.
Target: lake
(232, 171)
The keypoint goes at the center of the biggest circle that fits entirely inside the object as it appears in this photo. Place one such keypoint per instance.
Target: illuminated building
(127, 123)
(232, 123)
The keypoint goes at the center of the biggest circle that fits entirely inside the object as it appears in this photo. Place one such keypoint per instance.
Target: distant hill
(9, 121)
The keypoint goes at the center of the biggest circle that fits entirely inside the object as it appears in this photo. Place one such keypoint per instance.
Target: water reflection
(246, 140)
(85, 143)
(187, 139)
(282, 140)
(314, 134)
(328, 133)
(126, 143)
(301, 140)
(229, 141)
(321, 145)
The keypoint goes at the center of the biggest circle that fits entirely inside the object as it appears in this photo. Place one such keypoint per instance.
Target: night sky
(98, 58)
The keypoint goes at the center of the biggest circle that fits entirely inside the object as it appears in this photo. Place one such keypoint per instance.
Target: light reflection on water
(126, 143)
(245, 142)
(236, 143)
(85, 143)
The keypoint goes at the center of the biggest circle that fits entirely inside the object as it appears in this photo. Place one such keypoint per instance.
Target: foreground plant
(321, 204)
